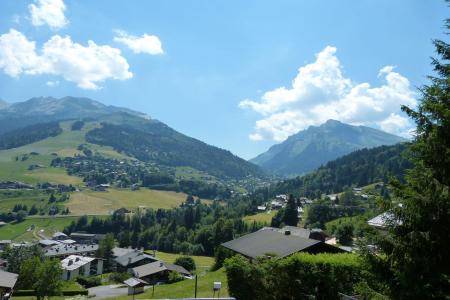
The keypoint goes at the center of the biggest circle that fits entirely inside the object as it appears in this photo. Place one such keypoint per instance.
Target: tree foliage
(414, 260)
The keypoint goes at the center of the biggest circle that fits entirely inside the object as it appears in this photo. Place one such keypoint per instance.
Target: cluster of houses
(281, 200)
(77, 253)
(14, 185)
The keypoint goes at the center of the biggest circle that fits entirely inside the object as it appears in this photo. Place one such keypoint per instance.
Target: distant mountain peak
(309, 149)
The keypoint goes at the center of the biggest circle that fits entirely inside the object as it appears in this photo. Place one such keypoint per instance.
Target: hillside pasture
(90, 202)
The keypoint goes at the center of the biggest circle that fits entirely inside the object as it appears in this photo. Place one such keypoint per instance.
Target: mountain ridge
(317, 145)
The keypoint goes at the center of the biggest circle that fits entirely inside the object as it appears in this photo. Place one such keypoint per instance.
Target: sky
(240, 75)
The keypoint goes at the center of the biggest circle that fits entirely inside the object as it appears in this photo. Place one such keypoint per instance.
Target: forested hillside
(157, 142)
(29, 134)
(358, 168)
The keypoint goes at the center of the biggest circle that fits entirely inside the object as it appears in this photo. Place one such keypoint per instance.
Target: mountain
(3, 104)
(127, 132)
(359, 168)
(44, 109)
(317, 145)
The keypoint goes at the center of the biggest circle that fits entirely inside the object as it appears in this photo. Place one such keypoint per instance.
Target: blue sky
(241, 75)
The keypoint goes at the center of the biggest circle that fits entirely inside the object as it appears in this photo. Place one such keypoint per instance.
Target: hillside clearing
(90, 202)
(263, 217)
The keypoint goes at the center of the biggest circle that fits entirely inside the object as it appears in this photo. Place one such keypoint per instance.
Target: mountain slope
(129, 132)
(315, 146)
(44, 109)
(358, 168)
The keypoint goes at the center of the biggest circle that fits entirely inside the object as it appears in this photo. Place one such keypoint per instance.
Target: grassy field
(263, 217)
(106, 202)
(24, 231)
(185, 288)
(9, 198)
(63, 145)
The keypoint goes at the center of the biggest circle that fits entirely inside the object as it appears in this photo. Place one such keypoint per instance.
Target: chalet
(271, 241)
(4, 244)
(261, 208)
(131, 259)
(276, 204)
(382, 221)
(57, 236)
(74, 266)
(158, 271)
(7, 283)
(14, 185)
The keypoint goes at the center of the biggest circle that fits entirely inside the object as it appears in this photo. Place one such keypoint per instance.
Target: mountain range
(126, 131)
(309, 149)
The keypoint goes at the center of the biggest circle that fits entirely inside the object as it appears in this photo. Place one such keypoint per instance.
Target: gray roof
(117, 251)
(297, 231)
(7, 280)
(62, 249)
(156, 267)
(265, 241)
(132, 257)
(133, 282)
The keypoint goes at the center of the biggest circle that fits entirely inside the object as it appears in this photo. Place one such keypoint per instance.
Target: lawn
(203, 263)
(263, 217)
(9, 198)
(24, 231)
(185, 288)
(90, 202)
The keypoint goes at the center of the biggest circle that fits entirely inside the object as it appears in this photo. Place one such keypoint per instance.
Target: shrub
(118, 277)
(88, 282)
(320, 276)
(186, 262)
(174, 277)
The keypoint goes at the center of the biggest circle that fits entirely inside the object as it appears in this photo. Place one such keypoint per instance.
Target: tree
(16, 255)
(105, 250)
(291, 213)
(48, 281)
(186, 262)
(344, 233)
(414, 260)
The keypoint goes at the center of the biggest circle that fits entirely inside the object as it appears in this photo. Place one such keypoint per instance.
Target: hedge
(19, 293)
(302, 275)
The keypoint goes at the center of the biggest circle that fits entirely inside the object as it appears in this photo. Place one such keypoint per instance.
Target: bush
(303, 275)
(174, 277)
(88, 282)
(118, 277)
(186, 262)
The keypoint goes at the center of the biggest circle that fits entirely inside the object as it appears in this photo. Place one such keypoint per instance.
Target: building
(131, 259)
(58, 236)
(74, 266)
(158, 271)
(273, 242)
(64, 250)
(4, 244)
(7, 283)
(314, 234)
(135, 285)
(86, 238)
(382, 221)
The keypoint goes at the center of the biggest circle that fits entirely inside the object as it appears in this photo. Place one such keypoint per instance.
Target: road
(108, 291)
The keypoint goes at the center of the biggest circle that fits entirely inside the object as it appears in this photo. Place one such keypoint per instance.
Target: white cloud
(48, 12)
(149, 44)
(52, 83)
(84, 65)
(320, 92)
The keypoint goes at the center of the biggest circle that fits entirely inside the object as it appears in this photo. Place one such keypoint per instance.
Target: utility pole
(195, 294)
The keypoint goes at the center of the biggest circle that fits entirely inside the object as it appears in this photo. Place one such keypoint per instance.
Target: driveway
(107, 291)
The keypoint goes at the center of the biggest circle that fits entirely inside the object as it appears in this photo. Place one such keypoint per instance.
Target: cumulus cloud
(48, 12)
(320, 91)
(149, 44)
(84, 65)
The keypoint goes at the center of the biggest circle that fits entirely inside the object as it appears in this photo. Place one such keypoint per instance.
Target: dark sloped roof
(7, 280)
(156, 267)
(132, 257)
(262, 242)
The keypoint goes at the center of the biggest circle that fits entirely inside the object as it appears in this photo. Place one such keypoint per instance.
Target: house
(382, 221)
(276, 204)
(135, 285)
(261, 208)
(157, 271)
(270, 241)
(57, 236)
(64, 250)
(75, 265)
(86, 238)
(7, 283)
(132, 259)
